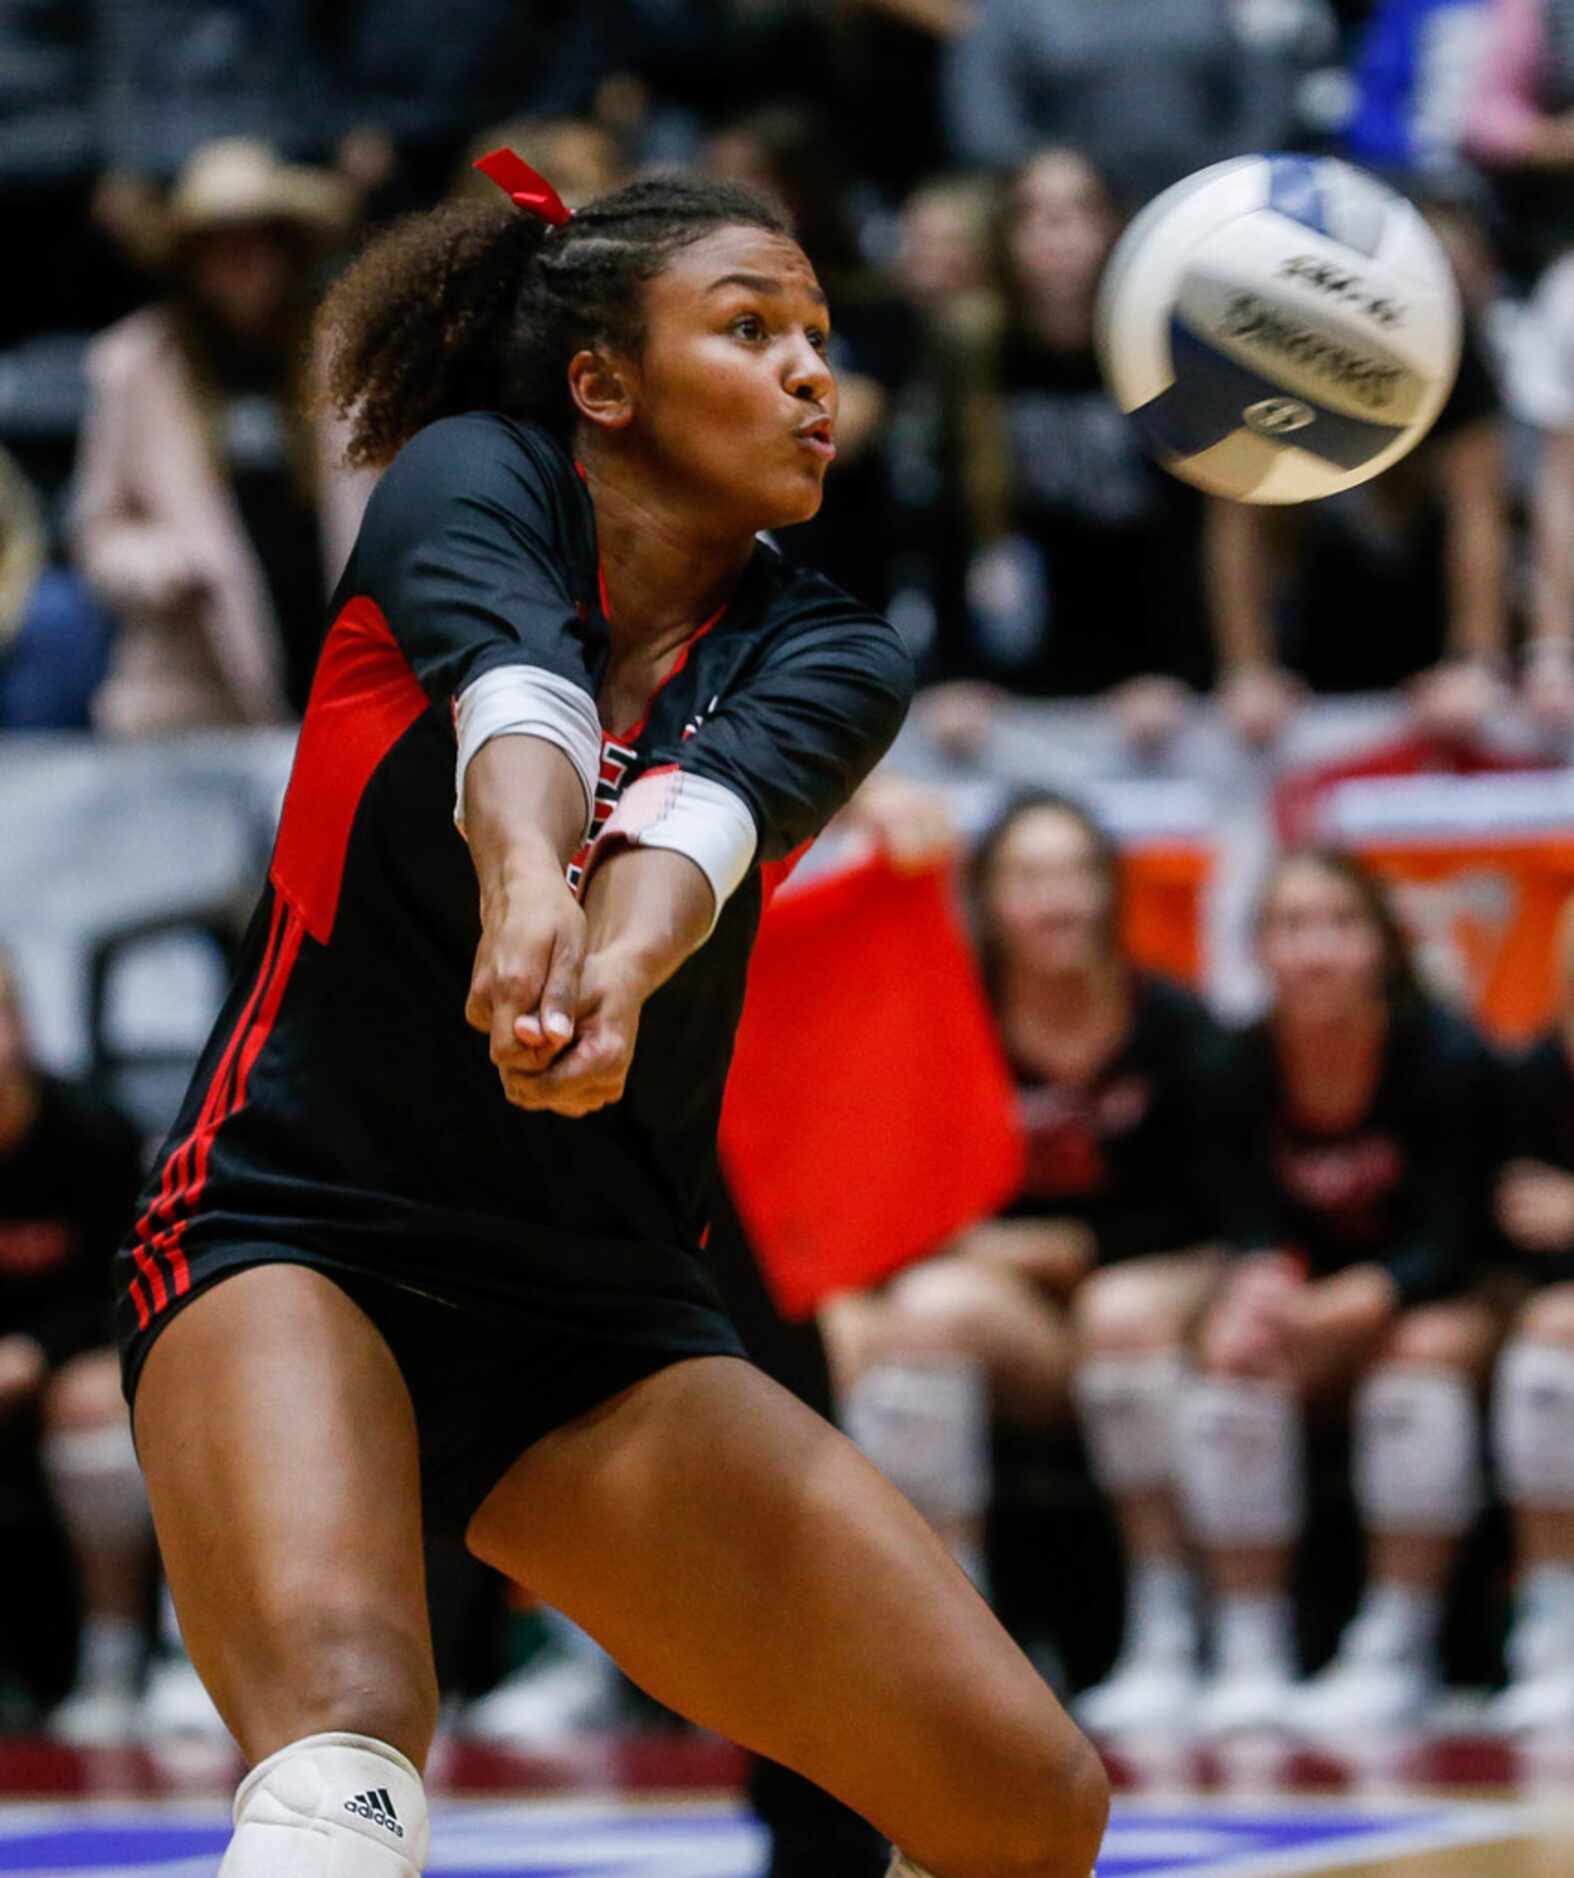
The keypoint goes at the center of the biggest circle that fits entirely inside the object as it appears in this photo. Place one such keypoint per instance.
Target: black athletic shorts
(486, 1383)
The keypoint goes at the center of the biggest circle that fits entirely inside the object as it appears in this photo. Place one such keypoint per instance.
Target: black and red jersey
(1119, 1153)
(1539, 1126)
(1404, 1185)
(343, 1106)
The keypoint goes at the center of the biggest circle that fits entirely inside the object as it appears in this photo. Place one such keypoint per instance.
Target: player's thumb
(560, 993)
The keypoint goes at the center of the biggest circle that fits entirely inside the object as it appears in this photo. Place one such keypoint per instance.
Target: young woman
(1533, 1397)
(1352, 1163)
(1086, 578)
(390, 1264)
(1082, 1292)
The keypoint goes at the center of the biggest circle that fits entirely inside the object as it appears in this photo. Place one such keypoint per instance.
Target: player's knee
(1061, 1825)
(85, 1393)
(1439, 1336)
(938, 1308)
(1549, 1316)
(349, 1670)
(1119, 1311)
(1042, 1816)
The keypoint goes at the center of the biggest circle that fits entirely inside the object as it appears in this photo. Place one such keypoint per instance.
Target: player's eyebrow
(763, 283)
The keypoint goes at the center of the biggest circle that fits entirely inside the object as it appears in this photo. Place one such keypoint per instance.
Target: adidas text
(378, 1808)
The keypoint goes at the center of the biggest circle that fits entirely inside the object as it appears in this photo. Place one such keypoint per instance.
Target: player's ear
(602, 390)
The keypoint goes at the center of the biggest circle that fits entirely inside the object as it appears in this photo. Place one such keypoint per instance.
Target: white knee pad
(1239, 1464)
(1533, 1424)
(97, 1484)
(1417, 1451)
(925, 1425)
(1127, 1407)
(330, 1806)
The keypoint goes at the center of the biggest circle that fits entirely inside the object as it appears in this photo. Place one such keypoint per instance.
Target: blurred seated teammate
(1350, 1134)
(70, 1168)
(1081, 1293)
(1533, 1400)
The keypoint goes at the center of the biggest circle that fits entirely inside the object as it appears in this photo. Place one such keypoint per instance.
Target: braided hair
(471, 307)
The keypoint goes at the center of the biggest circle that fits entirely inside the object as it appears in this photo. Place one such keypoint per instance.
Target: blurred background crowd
(1226, 1237)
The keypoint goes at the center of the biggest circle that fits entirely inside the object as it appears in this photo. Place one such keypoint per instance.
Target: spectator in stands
(1415, 73)
(1086, 577)
(1351, 1163)
(1151, 89)
(1541, 386)
(54, 637)
(786, 151)
(65, 275)
(209, 513)
(1521, 123)
(1082, 1291)
(1401, 581)
(70, 1167)
(943, 260)
(1533, 1400)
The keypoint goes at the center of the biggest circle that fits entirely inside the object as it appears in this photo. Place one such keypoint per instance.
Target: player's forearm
(524, 811)
(647, 909)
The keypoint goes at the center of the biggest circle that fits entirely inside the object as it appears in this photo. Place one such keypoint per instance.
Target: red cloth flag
(870, 1113)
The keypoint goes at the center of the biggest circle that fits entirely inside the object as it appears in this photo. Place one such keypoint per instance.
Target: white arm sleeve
(525, 701)
(691, 815)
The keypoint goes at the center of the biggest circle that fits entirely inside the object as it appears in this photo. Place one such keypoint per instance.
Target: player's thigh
(279, 1445)
(1144, 1304)
(744, 1563)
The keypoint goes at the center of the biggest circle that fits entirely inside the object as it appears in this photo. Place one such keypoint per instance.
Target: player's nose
(809, 375)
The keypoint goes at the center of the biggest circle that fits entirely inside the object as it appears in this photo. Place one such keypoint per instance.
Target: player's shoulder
(480, 451)
(1172, 1011)
(478, 462)
(1441, 1041)
(795, 603)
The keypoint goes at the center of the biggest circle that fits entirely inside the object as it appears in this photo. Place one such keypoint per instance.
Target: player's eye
(748, 326)
(818, 337)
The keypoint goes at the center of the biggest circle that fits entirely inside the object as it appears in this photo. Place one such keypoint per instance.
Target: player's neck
(1083, 997)
(664, 575)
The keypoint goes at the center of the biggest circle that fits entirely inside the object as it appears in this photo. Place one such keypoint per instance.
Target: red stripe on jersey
(177, 1162)
(363, 699)
(255, 1037)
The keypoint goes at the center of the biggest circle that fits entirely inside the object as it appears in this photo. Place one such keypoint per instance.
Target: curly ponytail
(473, 308)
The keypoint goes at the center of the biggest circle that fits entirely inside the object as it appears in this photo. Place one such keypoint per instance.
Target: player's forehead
(741, 258)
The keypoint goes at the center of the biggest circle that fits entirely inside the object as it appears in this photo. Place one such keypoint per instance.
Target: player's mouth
(815, 435)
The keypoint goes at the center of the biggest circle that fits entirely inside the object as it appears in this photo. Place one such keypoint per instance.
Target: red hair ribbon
(524, 187)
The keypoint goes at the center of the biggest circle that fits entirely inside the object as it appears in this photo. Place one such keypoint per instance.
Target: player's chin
(795, 498)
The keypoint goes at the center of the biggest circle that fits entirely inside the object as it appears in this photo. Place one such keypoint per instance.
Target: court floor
(666, 1808)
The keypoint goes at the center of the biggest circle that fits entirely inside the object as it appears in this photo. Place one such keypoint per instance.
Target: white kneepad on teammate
(1127, 1407)
(1238, 1462)
(1417, 1451)
(1533, 1424)
(330, 1806)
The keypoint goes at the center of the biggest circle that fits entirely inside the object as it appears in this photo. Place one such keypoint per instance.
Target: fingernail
(560, 1024)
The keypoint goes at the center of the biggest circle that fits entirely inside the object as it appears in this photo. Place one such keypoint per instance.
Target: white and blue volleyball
(1279, 327)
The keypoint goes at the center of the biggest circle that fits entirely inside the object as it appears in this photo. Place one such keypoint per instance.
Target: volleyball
(1279, 327)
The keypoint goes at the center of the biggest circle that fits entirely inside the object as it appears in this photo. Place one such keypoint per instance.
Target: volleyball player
(426, 1235)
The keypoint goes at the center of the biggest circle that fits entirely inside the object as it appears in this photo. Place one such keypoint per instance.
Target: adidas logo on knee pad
(376, 1806)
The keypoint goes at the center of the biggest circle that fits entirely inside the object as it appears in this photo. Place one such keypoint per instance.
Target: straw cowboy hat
(237, 181)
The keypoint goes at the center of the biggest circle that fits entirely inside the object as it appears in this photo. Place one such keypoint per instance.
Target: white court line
(1451, 1825)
